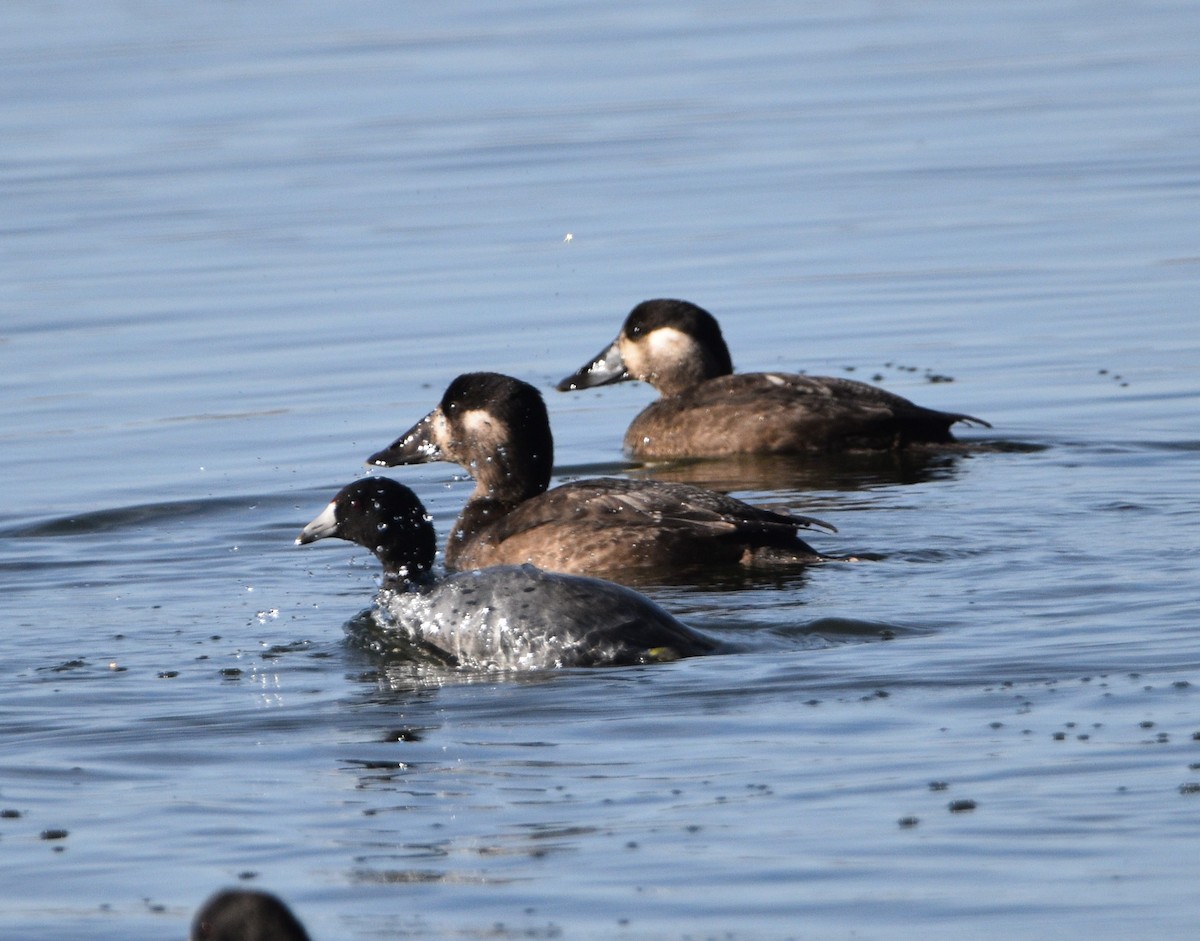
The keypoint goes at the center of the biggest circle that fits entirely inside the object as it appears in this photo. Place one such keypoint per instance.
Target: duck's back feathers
(609, 525)
(522, 618)
(784, 413)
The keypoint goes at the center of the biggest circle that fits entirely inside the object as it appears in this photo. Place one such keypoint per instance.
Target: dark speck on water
(243, 243)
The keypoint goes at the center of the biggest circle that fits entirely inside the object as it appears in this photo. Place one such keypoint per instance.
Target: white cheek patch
(477, 423)
(659, 350)
(668, 341)
(482, 428)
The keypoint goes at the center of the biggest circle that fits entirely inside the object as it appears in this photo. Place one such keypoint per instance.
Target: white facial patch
(477, 423)
(664, 348)
(479, 432)
(669, 344)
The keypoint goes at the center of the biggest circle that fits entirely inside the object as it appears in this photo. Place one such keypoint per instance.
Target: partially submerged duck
(246, 915)
(497, 428)
(708, 410)
(508, 617)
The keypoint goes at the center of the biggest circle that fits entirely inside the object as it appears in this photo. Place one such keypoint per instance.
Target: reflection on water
(837, 472)
(862, 470)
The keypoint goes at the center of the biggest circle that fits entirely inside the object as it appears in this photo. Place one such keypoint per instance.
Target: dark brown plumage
(497, 428)
(707, 410)
(244, 915)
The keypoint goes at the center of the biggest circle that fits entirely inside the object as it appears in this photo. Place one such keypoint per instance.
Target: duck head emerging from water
(244, 915)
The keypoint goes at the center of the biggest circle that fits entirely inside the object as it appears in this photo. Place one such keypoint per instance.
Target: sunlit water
(244, 245)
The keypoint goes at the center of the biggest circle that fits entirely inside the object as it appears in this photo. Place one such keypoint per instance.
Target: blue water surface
(245, 244)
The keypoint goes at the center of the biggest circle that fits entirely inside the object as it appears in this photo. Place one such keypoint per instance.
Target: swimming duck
(507, 617)
(497, 428)
(244, 915)
(707, 410)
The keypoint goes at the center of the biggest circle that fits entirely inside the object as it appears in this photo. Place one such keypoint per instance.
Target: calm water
(245, 244)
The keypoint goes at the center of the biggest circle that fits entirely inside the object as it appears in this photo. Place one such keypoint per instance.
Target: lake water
(244, 244)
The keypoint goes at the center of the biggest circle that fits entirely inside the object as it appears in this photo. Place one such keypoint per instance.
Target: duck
(245, 915)
(497, 428)
(514, 617)
(707, 410)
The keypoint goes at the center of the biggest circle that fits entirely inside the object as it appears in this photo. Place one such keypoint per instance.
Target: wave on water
(140, 515)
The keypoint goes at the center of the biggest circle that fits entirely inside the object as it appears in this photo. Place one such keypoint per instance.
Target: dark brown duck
(496, 427)
(245, 915)
(707, 410)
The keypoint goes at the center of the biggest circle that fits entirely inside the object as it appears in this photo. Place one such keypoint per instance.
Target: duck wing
(783, 413)
(610, 501)
(851, 392)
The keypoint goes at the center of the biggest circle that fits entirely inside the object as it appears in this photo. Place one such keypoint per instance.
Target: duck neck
(407, 577)
(479, 514)
(499, 480)
(689, 373)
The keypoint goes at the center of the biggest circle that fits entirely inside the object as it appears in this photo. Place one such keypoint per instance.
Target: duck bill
(321, 527)
(415, 446)
(604, 370)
